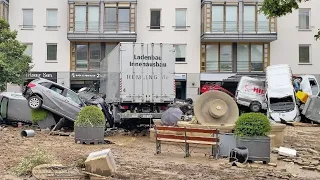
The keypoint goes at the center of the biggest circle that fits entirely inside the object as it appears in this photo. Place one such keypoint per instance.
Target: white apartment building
(296, 45)
(42, 26)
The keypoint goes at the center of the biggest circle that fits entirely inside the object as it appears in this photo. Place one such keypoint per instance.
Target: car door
(314, 86)
(53, 98)
(74, 103)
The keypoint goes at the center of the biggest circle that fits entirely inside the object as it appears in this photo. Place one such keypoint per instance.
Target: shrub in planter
(89, 126)
(251, 130)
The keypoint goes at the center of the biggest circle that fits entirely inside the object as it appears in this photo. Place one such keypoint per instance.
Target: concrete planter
(259, 147)
(89, 135)
(48, 122)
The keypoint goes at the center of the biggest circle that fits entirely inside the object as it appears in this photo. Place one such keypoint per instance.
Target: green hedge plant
(90, 116)
(252, 124)
(38, 115)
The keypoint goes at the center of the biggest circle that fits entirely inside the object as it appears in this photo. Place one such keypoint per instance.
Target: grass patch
(38, 115)
(36, 158)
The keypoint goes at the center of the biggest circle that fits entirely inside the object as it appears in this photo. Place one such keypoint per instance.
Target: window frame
(51, 60)
(185, 55)
(56, 21)
(308, 27)
(24, 26)
(310, 54)
(185, 19)
(160, 19)
(224, 20)
(87, 44)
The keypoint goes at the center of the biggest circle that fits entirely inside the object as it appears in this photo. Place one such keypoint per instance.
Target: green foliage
(14, 65)
(38, 115)
(90, 116)
(36, 158)
(252, 124)
(278, 8)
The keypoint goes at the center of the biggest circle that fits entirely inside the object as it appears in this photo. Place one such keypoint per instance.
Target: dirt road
(136, 160)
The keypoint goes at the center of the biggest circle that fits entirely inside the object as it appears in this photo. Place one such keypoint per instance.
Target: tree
(14, 65)
(278, 8)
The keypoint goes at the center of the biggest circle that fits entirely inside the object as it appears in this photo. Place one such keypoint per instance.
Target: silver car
(43, 93)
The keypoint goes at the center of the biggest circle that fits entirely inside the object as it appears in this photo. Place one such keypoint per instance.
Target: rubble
(313, 151)
(287, 152)
(101, 163)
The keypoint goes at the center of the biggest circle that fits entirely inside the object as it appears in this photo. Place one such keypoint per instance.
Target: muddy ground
(136, 160)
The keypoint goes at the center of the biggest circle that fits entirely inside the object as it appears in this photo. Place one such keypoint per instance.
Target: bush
(90, 116)
(37, 158)
(252, 124)
(38, 115)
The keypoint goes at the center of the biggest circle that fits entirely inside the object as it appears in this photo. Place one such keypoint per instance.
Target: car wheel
(255, 107)
(34, 102)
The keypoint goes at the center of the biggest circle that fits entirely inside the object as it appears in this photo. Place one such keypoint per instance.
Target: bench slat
(170, 136)
(191, 138)
(169, 128)
(209, 131)
(190, 142)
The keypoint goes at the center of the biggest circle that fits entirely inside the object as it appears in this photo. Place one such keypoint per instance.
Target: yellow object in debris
(302, 96)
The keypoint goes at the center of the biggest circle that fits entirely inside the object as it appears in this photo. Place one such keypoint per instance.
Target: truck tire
(34, 102)
(255, 106)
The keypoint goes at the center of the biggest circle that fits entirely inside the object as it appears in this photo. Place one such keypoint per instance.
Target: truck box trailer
(138, 79)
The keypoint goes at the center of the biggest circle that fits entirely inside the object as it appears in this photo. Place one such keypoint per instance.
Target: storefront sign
(46, 75)
(84, 75)
(180, 76)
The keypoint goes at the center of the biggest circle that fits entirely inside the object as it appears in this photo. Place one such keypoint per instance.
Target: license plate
(146, 116)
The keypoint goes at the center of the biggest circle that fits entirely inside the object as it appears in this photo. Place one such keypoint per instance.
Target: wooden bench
(187, 139)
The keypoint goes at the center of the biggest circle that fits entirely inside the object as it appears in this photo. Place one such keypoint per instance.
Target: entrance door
(181, 90)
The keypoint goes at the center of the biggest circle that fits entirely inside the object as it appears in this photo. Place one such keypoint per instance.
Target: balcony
(236, 22)
(117, 25)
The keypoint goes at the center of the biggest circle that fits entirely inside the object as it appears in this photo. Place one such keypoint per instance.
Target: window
(28, 18)
(155, 19)
(45, 84)
(263, 22)
(51, 52)
(243, 57)
(88, 56)
(73, 97)
(80, 18)
(181, 53)
(225, 57)
(95, 56)
(5, 12)
(52, 19)
(224, 18)
(212, 57)
(304, 18)
(181, 18)
(28, 50)
(304, 54)
(56, 89)
(249, 20)
(123, 19)
(93, 18)
(111, 19)
(256, 57)
(314, 86)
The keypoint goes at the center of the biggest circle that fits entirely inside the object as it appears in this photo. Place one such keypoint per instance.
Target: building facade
(42, 26)
(296, 44)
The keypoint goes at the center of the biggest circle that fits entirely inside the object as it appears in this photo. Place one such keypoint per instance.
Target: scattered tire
(255, 106)
(34, 102)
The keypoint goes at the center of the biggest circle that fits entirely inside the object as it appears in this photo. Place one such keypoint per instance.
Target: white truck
(280, 94)
(138, 80)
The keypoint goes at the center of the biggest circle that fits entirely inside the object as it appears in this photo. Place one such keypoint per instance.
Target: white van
(309, 85)
(251, 93)
(280, 94)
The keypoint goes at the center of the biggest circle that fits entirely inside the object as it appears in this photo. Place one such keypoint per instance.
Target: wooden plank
(170, 136)
(191, 138)
(169, 128)
(208, 131)
(188, 141)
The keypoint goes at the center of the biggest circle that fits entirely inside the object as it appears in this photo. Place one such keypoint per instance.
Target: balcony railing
(86, 26)
(116, 26)
(227, 66)
(246, 66)
(233, 26)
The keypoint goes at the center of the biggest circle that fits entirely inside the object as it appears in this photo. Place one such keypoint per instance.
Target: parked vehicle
(211, 86)
(14, 108)
(251, 93)
(43, 93)
(138, 80)
(280, 94)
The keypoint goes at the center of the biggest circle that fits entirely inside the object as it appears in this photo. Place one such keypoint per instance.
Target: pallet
(89, 142)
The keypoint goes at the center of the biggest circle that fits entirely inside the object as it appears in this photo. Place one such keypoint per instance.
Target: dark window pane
(304, 54)
(51, 52)
(82, 57)
(155, 19)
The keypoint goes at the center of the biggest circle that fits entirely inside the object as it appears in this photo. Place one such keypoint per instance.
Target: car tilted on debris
(43, 93)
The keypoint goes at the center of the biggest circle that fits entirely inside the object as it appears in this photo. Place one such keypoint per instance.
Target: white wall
(286, 48)
(40, 36)
(191, 37)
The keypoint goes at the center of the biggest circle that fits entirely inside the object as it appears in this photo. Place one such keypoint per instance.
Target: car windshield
(283, 104)
(74, 97)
